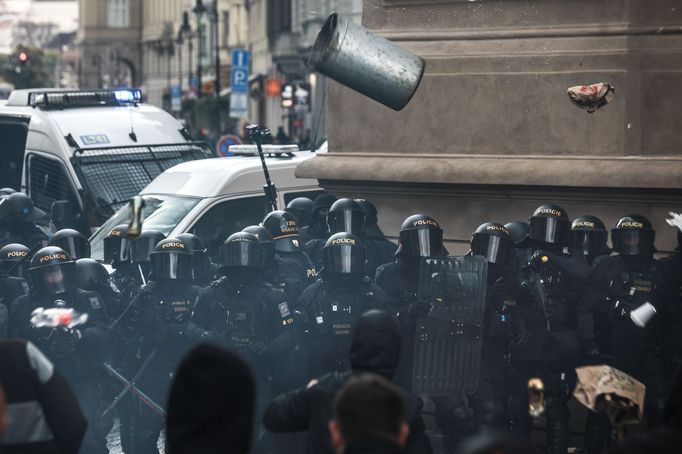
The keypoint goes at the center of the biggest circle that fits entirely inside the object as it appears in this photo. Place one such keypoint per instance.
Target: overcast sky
(63, 13)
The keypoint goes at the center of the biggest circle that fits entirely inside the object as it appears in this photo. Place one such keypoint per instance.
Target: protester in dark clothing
(369, 417)
(211, 404)
(375, 348)
(43, 414)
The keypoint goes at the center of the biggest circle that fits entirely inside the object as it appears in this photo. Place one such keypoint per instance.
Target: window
(279, 17)
(289, 196)
(48, 183)
(226, 218)
(226, 29)
(117, 14)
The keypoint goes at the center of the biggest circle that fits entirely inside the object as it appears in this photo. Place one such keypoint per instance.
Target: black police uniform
(375, 348)
(318, 221)
(547, 344)
(589, 238)
(246, 314)
(619, 285)
(293, 268)
(17, 222)
(72, 242)
(346, 215)
(157, 325)
(487, 407)
(126, 278)
(14, 260)
(76, 353)
(332, 305)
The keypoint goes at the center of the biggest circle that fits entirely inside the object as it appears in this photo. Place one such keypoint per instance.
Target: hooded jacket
(211, 404)
(375, 348)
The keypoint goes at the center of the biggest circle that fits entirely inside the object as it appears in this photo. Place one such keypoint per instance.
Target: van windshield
(161, 212)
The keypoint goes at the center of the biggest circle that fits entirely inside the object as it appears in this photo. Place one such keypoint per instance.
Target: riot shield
(448, 341)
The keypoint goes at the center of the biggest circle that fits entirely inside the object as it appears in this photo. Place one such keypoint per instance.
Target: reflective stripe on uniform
(26, 424)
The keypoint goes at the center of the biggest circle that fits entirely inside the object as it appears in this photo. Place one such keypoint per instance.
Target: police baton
(135, 391)
(256, 133)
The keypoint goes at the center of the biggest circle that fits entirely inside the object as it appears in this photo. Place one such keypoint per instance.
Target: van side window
(226, 218)
(47, 182)
(289, 196)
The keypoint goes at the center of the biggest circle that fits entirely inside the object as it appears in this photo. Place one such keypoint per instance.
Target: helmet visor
(346, 221)
(201, 265)
(76, 247)
(242, 253)
(55, 279)
(116, 249)
(422, 242)
(633, 241)
(549, 230)
(141, 249)
(495, 249)
(171, 265)
(344, 259)
(590, 242)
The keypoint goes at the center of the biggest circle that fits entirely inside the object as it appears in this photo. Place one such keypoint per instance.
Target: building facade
(490, 133)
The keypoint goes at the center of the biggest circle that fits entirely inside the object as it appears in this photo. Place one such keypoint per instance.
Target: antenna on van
(132, 134)
(256, 133)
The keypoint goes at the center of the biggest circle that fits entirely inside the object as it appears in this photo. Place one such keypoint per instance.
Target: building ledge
(646, 172)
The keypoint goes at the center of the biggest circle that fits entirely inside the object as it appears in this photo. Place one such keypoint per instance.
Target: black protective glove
(62, 342)
(542, 259)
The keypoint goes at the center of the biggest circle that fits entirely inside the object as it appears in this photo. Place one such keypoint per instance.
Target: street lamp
(199, 10)
(186, 32)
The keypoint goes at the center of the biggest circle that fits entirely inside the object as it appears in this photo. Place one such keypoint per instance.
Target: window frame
(118, 13)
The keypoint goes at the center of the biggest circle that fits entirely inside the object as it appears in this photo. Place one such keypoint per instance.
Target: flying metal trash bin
(366, 62)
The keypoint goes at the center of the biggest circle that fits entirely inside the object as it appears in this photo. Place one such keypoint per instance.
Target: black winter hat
(211, 403)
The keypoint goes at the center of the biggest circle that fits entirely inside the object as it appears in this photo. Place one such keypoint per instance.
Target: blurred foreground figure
(369, 417)
(211, 403)
(42, 413)
(375, 348)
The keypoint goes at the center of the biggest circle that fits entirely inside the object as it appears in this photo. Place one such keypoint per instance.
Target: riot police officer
(93, 276)
(548, 345)
(292, 262)
(141, 249)
(332, 305)
(625, 316)
(589, 238)
(372, 229)
(14, 260)
(302, 208)
(17, 222)
(157, 329)
(126, 277)
(72, 242)
(75, 351)
(246, 314)
(318, 220)
(204, 270)
(519, 233)
(346, 215)
(487, 407)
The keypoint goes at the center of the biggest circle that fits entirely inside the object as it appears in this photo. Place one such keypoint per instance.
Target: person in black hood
(17, 221)
(375, 348)
(211, 403)
(318, 220)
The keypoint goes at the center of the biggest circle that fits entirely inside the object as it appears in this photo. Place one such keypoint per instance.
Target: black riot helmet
(14, 259)
(420, 236)
(90, 274)
(320, 209)
(633, 235)
(372, 229)
(22, 207)
(4, 192)
(346, 215)
(73, 242)
(343, 253)
(117, 246)
(142, 246)
(589, 235)
(518, 230)
(550, 224)
(171, 260)
(284, 229)
(201, 262)
(265, 239)
(52, 272)
(492, 241)
(242, 249)
(302, 208)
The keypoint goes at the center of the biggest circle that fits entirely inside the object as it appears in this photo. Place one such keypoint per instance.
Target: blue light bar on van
(84, 98)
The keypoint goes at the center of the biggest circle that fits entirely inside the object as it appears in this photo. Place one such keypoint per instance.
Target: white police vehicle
(82, 154)
(215, 198)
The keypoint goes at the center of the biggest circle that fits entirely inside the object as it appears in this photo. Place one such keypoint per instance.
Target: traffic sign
(239, 83)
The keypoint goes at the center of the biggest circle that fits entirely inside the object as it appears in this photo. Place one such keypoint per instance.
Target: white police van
(83, 154)
(215, 198)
